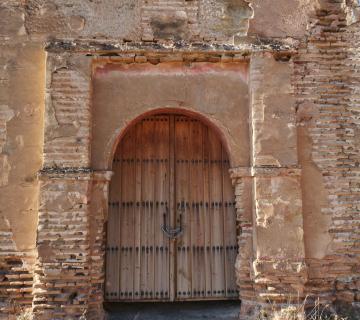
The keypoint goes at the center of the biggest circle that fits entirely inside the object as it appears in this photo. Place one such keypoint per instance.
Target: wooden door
(171, 231)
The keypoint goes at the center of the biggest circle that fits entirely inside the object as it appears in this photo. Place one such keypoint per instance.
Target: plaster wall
(22, 74)
(123, 92)
(287, 18)
(307, 108)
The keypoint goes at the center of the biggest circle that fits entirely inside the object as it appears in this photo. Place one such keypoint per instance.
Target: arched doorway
(171, 233)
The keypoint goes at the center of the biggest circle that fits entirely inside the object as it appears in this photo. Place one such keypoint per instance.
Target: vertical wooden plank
(148, 184)
(162, 199)
(212, 218)
(182, 204)
(190, 208)
(225, 226)
(117, 229)
(132, 213)
(144, 212)
(151, 240)
(156, 182)
(217, 220)
(207, 215)
(195, 195)
(172, 259)
(230, 229)
(201, 274)
(155, 211)
(138, 218)
(126, 215)
(122, 220)
(169, 201)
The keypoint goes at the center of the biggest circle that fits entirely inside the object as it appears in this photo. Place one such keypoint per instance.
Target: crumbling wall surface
(135, 20)
(62, 282)
(163, 20)
(68, 112)
(281, 18)
(300, 223)
(22, 76)
(159, 20)
(87, 19)
(62, 273)
(278, 272)
(327, 83)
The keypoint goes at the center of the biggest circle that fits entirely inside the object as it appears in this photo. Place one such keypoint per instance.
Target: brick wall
(62, 271)
(15, 278)
(326, 84)
(68, 119)
(313, 76)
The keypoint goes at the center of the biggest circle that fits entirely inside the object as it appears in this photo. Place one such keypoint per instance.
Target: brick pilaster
(278, 268)
(242, 181)
(63, 276)
(98, 220)
(62, 273)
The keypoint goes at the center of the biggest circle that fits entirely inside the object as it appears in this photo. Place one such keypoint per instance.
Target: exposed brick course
(296, 182)
(68, 123)
(16, 280)
(324, 80)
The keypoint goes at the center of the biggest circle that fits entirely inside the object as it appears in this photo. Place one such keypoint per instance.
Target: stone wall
(297, 193)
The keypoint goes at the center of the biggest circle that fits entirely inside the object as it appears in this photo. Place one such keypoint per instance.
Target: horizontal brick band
(243, 172)
(74, 174)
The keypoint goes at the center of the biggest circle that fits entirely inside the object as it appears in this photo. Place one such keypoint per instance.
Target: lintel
(103, 47)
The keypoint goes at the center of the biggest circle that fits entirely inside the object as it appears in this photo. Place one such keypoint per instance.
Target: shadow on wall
(211, 310)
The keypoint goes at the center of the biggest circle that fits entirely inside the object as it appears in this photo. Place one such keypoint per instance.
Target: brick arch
(123, 94)
(112, 146)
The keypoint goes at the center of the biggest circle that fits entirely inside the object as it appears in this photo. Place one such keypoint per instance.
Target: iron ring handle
(171, 233)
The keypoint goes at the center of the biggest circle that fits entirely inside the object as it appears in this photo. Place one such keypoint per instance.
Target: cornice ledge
(91, 46)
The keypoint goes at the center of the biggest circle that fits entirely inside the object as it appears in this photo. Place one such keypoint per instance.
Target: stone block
(345, 296)
(224, 19)
(12, 21)
(278, 208)
(288, 18)
(273, 113)
(170, 25)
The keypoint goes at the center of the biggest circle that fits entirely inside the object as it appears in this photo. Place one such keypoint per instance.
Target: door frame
(218, 133)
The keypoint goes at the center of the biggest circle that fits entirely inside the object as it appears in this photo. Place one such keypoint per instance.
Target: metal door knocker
(172, 233)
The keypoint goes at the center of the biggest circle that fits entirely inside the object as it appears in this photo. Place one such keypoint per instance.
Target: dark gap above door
(211, 310)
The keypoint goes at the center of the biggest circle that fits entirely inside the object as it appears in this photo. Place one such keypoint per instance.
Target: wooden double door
(171, 232)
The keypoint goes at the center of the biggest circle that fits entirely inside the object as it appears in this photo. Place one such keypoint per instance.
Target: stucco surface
(287, 18)
(216, 92)
(84, 18)
(279, 81)
(21, 151)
